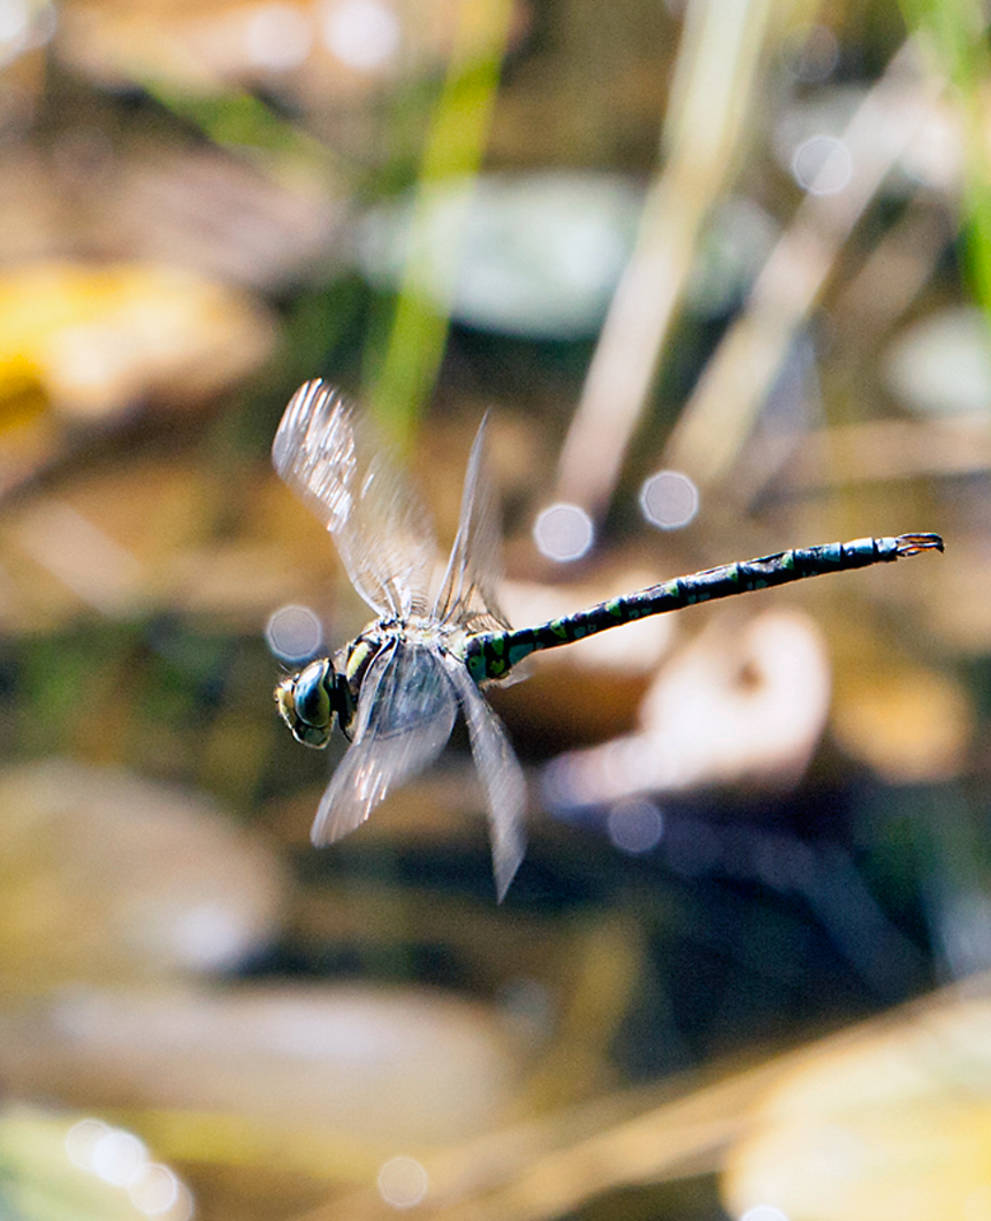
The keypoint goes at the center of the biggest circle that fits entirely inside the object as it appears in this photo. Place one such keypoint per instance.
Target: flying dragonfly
(396, 689)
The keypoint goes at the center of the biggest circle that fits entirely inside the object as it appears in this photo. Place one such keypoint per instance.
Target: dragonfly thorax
(309, 700)
(413, 629)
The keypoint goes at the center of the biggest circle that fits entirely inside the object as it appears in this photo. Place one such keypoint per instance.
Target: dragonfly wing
(328, 453)
(501, 776)
(468, 591)
(406, 711)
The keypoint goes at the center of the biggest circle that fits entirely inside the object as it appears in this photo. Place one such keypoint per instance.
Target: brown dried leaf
(894, 1125)
(363, 1069)
(108, 877)
(99, 338)
(336, 52)
(738, 705)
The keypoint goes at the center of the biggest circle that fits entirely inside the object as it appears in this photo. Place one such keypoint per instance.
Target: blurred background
(721, 274)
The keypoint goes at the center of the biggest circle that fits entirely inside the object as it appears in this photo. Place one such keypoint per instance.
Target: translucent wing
(468, 591)
(326, 451)
(406, 711)
(500, 774)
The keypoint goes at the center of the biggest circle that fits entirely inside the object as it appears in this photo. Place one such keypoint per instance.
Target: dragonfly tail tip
(912, 544)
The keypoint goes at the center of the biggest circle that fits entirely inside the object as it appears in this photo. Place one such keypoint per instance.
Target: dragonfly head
(309, 700)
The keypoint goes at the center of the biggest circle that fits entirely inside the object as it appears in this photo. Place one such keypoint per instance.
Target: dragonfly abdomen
(491, 655)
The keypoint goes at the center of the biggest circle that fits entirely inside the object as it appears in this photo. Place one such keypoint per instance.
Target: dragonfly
(396, 689)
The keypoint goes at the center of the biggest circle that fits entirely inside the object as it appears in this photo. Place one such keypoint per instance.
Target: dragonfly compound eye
(305, 703)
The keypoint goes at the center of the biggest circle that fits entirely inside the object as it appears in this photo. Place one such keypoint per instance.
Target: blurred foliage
(452, 148)
(748, 242)
(955, 34)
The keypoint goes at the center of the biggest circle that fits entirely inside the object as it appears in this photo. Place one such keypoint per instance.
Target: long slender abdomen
(493, 654)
